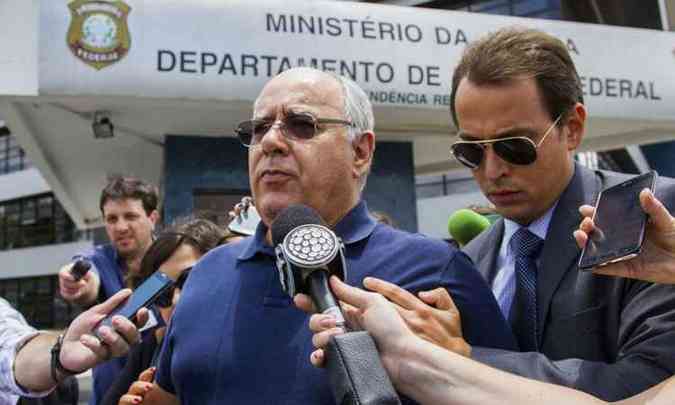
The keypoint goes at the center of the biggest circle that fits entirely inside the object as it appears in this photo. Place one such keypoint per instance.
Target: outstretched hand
(81, 350)
(363, 309)
(656, 262)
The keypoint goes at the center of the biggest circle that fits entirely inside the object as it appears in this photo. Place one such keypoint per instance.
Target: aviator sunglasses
(517, 150)
(292, 126)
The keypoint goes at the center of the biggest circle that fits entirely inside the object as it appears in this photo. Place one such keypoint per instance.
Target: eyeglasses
(518, 150)
(165, 300)
(292, 126)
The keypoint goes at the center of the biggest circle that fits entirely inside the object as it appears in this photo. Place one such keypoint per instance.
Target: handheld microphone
(464, 225)
(80, 269)
(307, 253)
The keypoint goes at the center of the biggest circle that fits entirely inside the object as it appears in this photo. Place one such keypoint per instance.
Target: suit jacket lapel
(560, 251)
(484, 250)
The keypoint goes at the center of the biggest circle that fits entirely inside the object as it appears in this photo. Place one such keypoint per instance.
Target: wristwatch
(56, 366)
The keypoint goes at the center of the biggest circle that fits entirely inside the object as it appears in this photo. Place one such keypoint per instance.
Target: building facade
(32, 224)
(160, 103)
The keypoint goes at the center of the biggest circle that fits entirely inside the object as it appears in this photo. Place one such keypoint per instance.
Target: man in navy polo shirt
(129, 209)
(235, 336)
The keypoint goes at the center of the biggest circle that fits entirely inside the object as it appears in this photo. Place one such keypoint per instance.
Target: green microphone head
(464, 225)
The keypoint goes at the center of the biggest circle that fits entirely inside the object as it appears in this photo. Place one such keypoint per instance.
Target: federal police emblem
(98, 33)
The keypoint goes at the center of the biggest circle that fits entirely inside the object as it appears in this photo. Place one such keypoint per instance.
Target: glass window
(38, 301)
(9, 290)
(12, 156)
(34, 221)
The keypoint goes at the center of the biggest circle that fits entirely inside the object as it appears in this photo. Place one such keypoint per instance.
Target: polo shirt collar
(118, 259)
(357, 225)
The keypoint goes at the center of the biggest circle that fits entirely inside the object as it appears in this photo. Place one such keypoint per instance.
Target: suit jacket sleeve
(645, 352)
(482, 320)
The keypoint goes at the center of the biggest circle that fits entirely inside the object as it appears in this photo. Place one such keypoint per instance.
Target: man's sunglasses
(517, 150)
(293, 126)
(165, 300)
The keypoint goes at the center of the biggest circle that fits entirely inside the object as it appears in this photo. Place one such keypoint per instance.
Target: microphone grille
(290, 218)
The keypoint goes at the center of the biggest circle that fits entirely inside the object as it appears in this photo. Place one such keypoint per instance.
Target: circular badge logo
(98, 33)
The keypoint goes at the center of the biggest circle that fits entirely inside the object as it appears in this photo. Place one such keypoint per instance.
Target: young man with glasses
(235, 335)
(517, 102)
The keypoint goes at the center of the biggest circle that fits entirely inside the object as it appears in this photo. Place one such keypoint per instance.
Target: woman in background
(173, 253)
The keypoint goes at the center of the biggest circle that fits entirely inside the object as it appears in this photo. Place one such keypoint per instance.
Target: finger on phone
(581, 238)
(587, 210)
(658, 214)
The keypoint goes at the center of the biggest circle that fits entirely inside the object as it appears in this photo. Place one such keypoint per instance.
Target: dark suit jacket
(608, 336)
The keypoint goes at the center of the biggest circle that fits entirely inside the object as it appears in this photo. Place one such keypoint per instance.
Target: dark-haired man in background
(129, 209)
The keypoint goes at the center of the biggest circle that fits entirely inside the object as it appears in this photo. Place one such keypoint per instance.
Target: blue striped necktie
(527, 246)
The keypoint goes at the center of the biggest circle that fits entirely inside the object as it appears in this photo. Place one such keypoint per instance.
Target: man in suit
(517, 101)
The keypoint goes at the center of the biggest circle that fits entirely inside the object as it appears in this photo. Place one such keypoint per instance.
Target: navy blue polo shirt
(236, 337)
(111, 269)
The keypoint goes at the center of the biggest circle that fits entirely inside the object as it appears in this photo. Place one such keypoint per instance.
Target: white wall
(19, 47)
(22, 184)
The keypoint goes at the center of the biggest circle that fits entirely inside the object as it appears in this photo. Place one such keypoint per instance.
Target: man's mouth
(123, 241)
(273, 175)
(504, 197)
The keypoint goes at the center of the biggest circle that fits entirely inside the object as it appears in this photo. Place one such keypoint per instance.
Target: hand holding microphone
(307, 254)
(76, 281)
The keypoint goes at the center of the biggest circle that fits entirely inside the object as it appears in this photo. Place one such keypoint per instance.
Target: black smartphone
(619, 223)
(142, 297)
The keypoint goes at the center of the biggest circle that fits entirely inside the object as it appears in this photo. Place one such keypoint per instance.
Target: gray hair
(358, 110)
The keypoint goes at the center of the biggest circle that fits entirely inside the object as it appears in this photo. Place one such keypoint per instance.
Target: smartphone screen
(142, 297)
(620, 223)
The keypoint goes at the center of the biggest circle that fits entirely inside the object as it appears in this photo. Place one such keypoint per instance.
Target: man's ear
(576, 124)
(154, 217)
(364, 148)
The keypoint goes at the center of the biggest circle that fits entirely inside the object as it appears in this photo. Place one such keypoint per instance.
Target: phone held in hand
(246, 222)
(619, 223)
(142, 297)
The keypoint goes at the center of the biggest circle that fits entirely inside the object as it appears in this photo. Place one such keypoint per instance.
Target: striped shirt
(14, 334)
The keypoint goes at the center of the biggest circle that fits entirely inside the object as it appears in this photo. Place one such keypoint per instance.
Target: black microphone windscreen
(292, 217)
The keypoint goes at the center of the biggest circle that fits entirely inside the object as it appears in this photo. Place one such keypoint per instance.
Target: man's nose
(494, 166)
(121, 225)
(274, 140)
